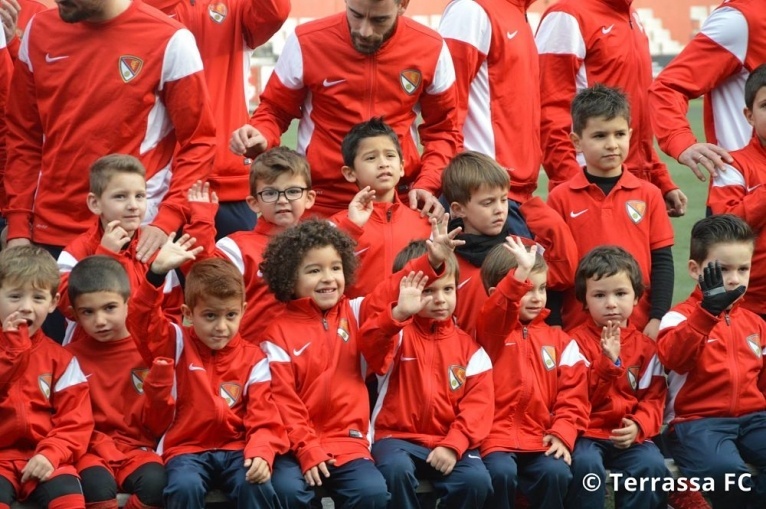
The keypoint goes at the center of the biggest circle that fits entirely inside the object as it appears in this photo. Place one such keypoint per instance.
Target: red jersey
(89, 243)
(634, 390)
(223, 396)
(412, 72)
(581, 43)
(740, 191)
(63, 97)
(715, 363)
(318, 381)
(632, 216)
(45, 402)
(227, 32)
(434, 382)
(539, 375)
(6, 70)
(716, 63)
(390, 228)
(490, 40)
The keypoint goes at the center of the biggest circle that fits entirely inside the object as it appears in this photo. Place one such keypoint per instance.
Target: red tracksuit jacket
(581, 43)
(412, 72)
(539, 374)
(636, 390)
(715, 363)
(44, 400)
(740, 191)
(223, 396)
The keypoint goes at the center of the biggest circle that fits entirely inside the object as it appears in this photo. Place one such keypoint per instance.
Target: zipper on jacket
(524, 332)
(727, 318)
(324, 323)
(389, 212)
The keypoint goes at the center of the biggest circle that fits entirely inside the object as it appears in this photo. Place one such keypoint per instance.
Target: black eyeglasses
(291, 194)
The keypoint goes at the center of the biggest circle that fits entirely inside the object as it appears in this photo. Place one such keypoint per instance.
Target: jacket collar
(436, 329)
(627, 180)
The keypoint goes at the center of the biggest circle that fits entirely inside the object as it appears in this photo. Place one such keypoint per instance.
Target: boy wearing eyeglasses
(376, 219)
(280, 193)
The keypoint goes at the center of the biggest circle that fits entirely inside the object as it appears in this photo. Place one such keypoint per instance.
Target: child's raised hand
(410, 296)
(200, 192)
(174, 254)
(360, 208)
(442, 459)
(37, 468)
(557, 448)
(442, 242)
(610, 340)
(258, 471)
(12, 322)
(115, 237)
(525, 259)
(624, 437)
(313, 475)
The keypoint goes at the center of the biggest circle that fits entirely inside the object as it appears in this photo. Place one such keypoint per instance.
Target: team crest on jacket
(633, 377)
(230, 392)
(635, 210)
(218, 12)
(44, 382)
(410, 80)
(343, 330)
(754, 342)
(549, 357)
(137, 376)
(130, 66)
(456, 377)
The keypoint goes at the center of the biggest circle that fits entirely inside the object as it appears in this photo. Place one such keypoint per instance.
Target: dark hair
(269, 165)
(371, 129)
(467, 172)
(500, 261)
(213, 277)
(285, 253)
(416, 249)
(755, 82)
(105, 168)
(598, 101)
(29, 264)
(718, 229)
(98, 273)
(606, 261)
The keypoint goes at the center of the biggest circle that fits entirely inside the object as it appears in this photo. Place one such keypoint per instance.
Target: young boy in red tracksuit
(44, 397)
(117, 197)
(740, 189)
(226, 429)
(376, 219)
(435, 396)
(605, 205)
(541, 393)
(280, 191)
(317, 372)
(121, 453)
(477, 188)
(713, 348)
(626, 387)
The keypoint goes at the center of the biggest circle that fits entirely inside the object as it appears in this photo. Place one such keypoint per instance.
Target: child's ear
(749, 116)
(694, 270)
(54, 302)
(94, 204)
(348, 173)
(311, 197)
(575, 141)
(252, 202)
(456, 209)
(186, 312)
(491, 290)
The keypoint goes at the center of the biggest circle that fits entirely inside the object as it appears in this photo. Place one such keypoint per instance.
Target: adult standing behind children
(731, 43)
(584, 42)
(226, 34)
(343, 69)
(72, 65)
(490, 40)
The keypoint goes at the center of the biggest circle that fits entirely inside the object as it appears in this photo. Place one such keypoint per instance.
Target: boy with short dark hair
(713, 348)
(541, 394)
(606, 205)
(740, 190)
(476, 188)
(121, 451)
(414, 347)
(280, 192)
(376, 219)
(626, 386)
(44, 398)
(226, 430)
(117, 198)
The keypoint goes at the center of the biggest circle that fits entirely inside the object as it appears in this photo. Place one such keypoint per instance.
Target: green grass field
(695, 190)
